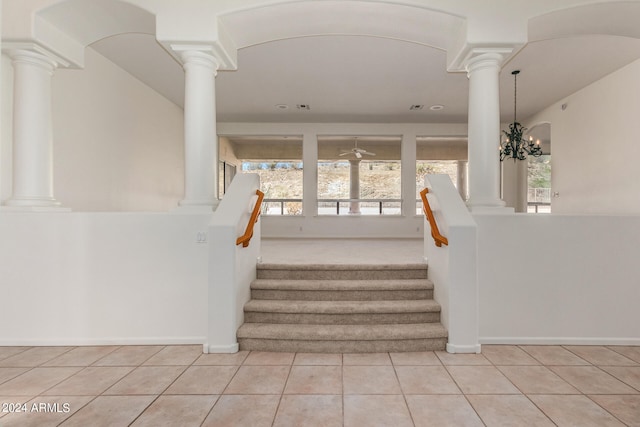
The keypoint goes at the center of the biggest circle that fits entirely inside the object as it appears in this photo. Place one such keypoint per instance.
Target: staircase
(342, 309)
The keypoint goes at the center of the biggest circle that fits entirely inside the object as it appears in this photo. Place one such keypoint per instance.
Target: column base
(33, 205)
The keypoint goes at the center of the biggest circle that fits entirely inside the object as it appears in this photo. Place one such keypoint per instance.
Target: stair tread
(341, 267)
(342, 307)
(338, 285)
(341, 332)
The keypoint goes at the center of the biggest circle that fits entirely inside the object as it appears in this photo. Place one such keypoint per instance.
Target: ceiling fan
(358, 152)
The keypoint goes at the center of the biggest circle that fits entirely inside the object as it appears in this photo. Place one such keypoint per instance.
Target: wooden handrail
(248, 233)
(435, 233)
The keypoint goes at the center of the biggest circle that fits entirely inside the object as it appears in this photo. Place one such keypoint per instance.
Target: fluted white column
(484, 131)
(32, 131)
(200, 135)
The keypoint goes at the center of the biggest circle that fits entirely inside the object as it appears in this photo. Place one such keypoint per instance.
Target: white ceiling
(368, 79)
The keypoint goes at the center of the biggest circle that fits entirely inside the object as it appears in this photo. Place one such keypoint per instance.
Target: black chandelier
(515, 144)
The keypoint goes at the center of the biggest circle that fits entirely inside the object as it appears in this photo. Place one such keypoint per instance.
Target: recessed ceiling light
(416, 107)
(436, 107)
(303, 107)
(282, 106)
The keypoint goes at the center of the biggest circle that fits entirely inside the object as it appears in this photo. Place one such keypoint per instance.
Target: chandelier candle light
(515, 144)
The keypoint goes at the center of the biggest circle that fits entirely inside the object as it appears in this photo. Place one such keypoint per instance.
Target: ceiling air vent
(303, 107)
(416, 107)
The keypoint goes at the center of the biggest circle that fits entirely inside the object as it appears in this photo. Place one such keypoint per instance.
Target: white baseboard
(452, 348)
(231, 348)
(102, 341)
(560, 340)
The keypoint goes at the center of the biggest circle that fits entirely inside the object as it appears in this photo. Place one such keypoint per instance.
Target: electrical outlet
(201, 237)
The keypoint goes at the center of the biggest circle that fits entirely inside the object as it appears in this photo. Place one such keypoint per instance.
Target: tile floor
(180, 386)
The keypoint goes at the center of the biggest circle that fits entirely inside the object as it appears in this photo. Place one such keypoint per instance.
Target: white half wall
(556, 279)
(594, 149)
(103, 278)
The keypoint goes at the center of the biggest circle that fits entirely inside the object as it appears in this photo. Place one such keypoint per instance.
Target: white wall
(102, 278)
(547, 279)
(118, 144)
(595, 149)
(452, 267)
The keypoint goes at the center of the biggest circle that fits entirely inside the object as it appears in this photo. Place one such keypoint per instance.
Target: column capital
(31, 57)
(197, 55)
(473, 57)
(33, 53)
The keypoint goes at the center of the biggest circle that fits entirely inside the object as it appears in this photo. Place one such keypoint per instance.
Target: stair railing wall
(452, 267)
(232, 266)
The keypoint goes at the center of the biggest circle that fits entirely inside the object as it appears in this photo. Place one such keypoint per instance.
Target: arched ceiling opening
(360, 60)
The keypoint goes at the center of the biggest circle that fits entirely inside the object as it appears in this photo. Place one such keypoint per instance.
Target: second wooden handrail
(435, 233)
(248, 233)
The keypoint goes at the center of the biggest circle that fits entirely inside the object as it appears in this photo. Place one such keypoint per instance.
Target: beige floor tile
(183, 411)
(175, 355)
(507, 355)
(370, 380)
(600, 355)
(318, 359)
(36, 381)
(110, 411)
(379, 411)
(460, 359)
(259, 380)
(9, 373)
(366, 359)
(222, 358)
(508, 411)
(481, 380)
(269, 358)
(426, 380)
(132, 355)
(442, 411)
(309, 411)
(627, 374)
(81, 356)
(34, 356)
(314, 380)
(11, 351)
(625, 408)
(537, 379)
(632, 352)
(90, 381)
(574, 410)
(48, 411)
(553, 355)
(243, 411)
(591, 380)
(146, 380)
(415, 358)
(203, 380)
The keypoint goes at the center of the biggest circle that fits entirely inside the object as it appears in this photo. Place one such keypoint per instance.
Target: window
(359, 175)
(539, 184)
(281, 182)
(430, 167)
(277, 159)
